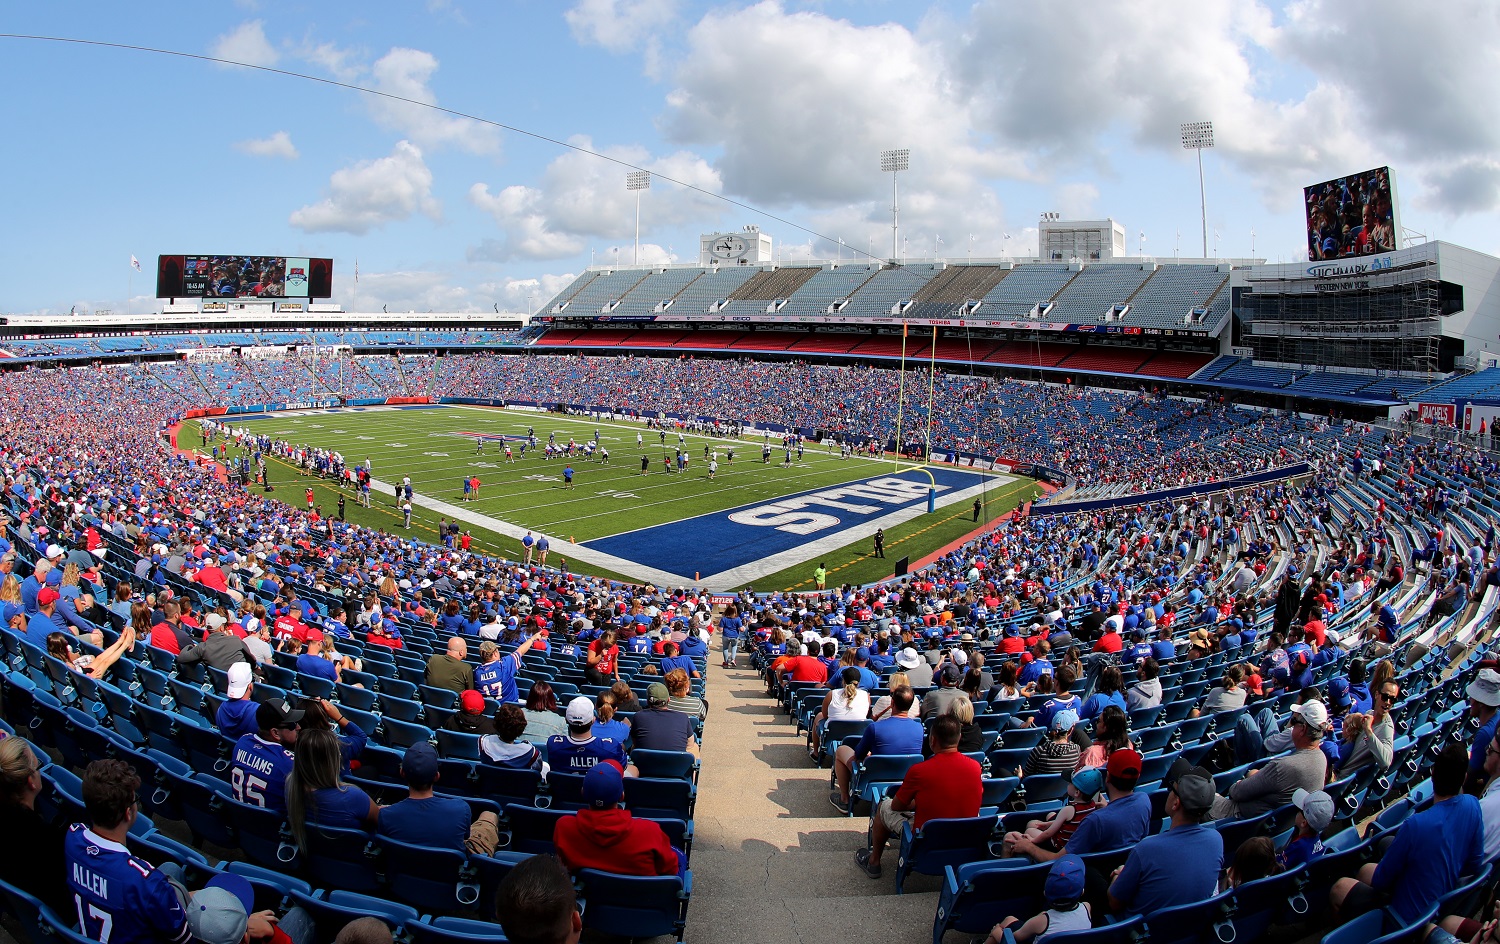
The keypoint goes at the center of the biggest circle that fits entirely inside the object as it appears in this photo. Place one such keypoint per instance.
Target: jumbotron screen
(243, 277)
(1352, 216)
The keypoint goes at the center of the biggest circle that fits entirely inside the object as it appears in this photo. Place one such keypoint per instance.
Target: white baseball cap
(580, 711)
(1314, 713)
(239, 679)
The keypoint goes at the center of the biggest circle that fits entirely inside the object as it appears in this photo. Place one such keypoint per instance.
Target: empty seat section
(889, 287)
(654, 289)
(603, 337)
(1016, 294)
(650, 338)
(1038, 354)
(709, 339)
(827, 343)
(1113, 360)
(767, 340)
(1094, 291)
(1172, 292)
(1174, 364)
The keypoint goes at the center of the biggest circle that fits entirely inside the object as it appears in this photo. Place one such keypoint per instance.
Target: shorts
(484, 834)
(1361, 899)
(893, 819)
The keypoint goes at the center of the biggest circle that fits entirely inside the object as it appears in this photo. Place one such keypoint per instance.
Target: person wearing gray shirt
(1272, 786)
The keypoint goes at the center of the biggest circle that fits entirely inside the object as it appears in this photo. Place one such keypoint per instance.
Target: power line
(289, 73)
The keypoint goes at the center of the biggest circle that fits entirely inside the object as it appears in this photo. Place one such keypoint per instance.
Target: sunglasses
(1388, 696)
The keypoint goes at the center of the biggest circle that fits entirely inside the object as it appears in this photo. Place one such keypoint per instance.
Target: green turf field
(431, 447)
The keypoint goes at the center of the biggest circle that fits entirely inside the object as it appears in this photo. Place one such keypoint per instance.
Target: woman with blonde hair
(10, 598)
(883, 703)
(42, 870)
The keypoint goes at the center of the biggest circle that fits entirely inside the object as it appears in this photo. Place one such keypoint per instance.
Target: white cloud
(623, 26)
(419, 290)
(277, 145)
(343, 63)
(407, 73)
(528, 294)
(371, 194)
(246, 43)
(582, 197)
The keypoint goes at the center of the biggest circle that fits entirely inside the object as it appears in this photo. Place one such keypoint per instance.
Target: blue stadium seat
(427, 878)
(455, 931)
(977, 896)
(635, 906)
(342, 858)
(941, 843)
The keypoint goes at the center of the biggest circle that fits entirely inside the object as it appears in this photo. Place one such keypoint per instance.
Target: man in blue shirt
(893, 734)
(312, 662)
(263, 760)
(1179, 866)
(672, 660)
(496, 677)
(1433, 853)
(41, 623)
(1484, 700)
(121, 899)
(1120, 824)
(425, 819)
(236, 715)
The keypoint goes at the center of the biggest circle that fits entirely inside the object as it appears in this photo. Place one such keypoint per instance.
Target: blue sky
(1010, 110)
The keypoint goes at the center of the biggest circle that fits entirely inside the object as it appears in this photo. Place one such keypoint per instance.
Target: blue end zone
(722, 540)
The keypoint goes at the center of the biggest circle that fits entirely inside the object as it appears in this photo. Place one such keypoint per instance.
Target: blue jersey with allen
(120, 899)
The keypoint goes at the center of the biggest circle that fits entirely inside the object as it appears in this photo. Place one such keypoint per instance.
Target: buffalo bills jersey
(259, 773)
(120, 899)
(576, 757)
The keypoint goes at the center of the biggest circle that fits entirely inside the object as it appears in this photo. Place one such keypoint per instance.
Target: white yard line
(560, 546)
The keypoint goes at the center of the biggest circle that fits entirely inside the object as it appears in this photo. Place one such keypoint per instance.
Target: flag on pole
(135, 263)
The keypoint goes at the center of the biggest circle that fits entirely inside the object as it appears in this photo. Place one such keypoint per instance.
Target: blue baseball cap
(1338, 692)
(1064, 720)
(1089, 781)
(420, 765)
(1064, 879)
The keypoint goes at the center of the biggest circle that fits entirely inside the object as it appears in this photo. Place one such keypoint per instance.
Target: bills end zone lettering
(739, 545)
(871, 496)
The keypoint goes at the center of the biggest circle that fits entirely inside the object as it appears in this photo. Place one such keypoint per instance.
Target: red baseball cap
(45, 596)
(471, 702)
(1125, 764)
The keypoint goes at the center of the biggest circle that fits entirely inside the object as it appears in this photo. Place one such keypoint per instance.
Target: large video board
(243, 277)
(1352, 216)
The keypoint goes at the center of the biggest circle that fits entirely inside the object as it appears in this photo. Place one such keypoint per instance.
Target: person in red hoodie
(605, 837)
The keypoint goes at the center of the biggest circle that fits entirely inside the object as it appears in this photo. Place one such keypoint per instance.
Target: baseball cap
(1064, 720)
(960, 657)
(239, 679)
(46, 596)
(471, 702)
(657, 693)
(276, 713)
(1089, 780)
(1125, 764)
(862, 654)
(1314, 714)
(1338, 692)
(420, 764)
(215, 621)
(603, 786)
(1064, 879)
(219, 912)
(580, 712)
(1316, 807)
(54, 551)
(1195, 789)
(1485, 689)
(953, 675)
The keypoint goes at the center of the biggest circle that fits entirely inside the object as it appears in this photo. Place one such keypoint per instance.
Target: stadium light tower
(638, 180)
(1197, 135)
(893, 163)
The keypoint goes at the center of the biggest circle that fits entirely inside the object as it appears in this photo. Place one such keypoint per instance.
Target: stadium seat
(455, 931)
(1378, 927)
(1130, 931)
(979, 895)
(332, 911)
(941, 843)
(427, 878)
(635, 906)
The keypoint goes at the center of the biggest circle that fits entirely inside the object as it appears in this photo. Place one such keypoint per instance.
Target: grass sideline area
(437, 448)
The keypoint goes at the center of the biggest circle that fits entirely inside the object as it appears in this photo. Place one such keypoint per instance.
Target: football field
(756, 523)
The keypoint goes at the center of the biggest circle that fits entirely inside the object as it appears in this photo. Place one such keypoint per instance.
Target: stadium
(1071, 595)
